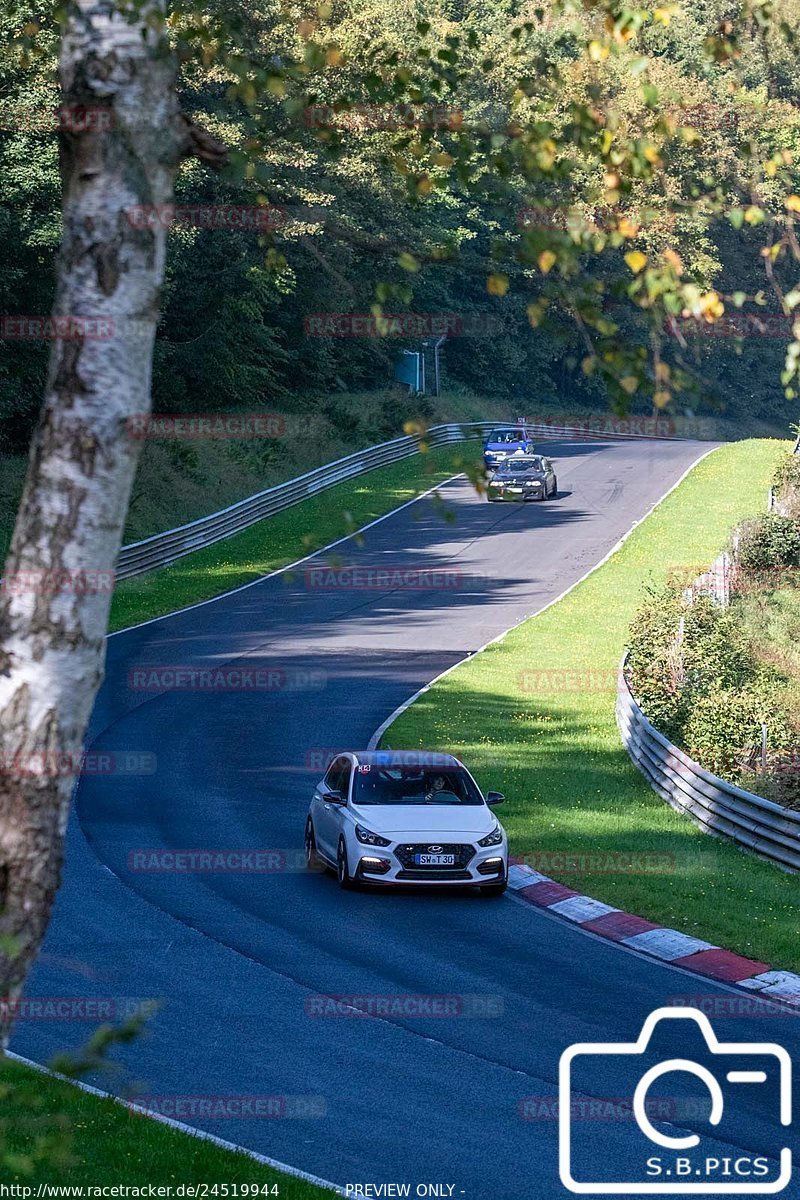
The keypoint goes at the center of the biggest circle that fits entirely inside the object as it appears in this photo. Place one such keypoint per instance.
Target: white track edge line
(289, 566)
(374, 741)
(189, 1130)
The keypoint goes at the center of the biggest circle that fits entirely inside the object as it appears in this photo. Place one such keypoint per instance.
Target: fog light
(491, 866)
(375, 866)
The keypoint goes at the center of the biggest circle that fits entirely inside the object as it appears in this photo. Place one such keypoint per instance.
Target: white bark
(82, 459)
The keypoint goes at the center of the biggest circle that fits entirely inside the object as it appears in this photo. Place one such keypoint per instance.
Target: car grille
(463, 854)
(423, 873)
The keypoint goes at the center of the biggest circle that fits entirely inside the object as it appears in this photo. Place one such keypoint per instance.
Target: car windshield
(523, 468)
(409, 785)
(507, 435)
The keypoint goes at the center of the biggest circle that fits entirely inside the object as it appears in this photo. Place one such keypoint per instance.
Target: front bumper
(394, 865)
(512, 497)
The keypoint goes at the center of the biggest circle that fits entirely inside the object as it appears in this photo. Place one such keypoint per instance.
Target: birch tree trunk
(56, 594)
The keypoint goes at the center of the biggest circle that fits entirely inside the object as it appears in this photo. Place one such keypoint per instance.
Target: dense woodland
(436, 207)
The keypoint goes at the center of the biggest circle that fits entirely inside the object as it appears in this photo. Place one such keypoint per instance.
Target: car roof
(400, 758)
(523, 458)
(521, 429)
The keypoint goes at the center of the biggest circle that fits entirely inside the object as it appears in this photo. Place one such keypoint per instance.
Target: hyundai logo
(434, 849)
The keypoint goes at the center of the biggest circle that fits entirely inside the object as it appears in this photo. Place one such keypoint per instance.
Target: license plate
(435, 860)
(519, 489)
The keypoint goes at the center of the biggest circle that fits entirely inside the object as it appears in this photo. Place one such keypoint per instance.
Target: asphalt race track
(237, 958)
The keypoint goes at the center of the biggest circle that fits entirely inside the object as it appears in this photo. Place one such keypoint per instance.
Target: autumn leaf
(407, 262)
(636, 260)
(546, 260)
(627, 228)
(497, 285)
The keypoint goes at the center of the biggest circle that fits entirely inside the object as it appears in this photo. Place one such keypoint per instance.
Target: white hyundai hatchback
(406, 817)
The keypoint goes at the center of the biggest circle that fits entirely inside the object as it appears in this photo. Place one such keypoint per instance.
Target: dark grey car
(523, 477)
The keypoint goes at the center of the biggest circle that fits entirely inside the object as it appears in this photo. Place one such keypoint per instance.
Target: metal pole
(436, 346)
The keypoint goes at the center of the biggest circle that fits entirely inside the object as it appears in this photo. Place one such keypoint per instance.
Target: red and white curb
(668, 945)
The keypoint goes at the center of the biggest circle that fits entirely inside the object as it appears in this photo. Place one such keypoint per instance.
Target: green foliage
(679, 651)
(695, 672)
(36, 1136)
(787, 471)
(387, 214)
(768, 543)
(723, 729)
(653, 669)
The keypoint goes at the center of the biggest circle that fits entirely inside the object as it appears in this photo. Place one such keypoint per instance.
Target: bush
(652, 667)
(768, 543)
(780, 786)
(695, 674)
(786, 485)
(787, 472)
(668, 667)
(724, 727)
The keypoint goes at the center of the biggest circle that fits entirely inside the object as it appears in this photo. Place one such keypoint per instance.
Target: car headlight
(368, 838)
(492, 839)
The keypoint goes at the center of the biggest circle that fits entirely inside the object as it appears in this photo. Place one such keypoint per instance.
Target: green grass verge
(52, 1132)
(552, 745)
(285, 537)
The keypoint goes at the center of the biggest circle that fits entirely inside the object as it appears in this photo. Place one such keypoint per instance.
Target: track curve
(238, 958)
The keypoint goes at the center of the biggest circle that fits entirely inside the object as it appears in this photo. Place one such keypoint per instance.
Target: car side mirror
(331, 797)
(493, 798)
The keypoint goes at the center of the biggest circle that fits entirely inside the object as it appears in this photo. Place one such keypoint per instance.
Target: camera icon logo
(672, 1160)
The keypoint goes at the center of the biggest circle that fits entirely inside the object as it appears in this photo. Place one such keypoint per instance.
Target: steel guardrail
(162, 549)
(717, 806)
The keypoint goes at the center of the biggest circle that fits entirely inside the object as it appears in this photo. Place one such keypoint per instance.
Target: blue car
(504, 441)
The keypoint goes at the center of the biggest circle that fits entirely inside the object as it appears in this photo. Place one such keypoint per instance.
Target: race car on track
(406, 818)
(503, 441)
(523, 477)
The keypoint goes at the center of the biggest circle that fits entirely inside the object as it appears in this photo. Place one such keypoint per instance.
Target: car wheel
(313, 860)
(494, 889)
(555, 488)
(342, 868)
